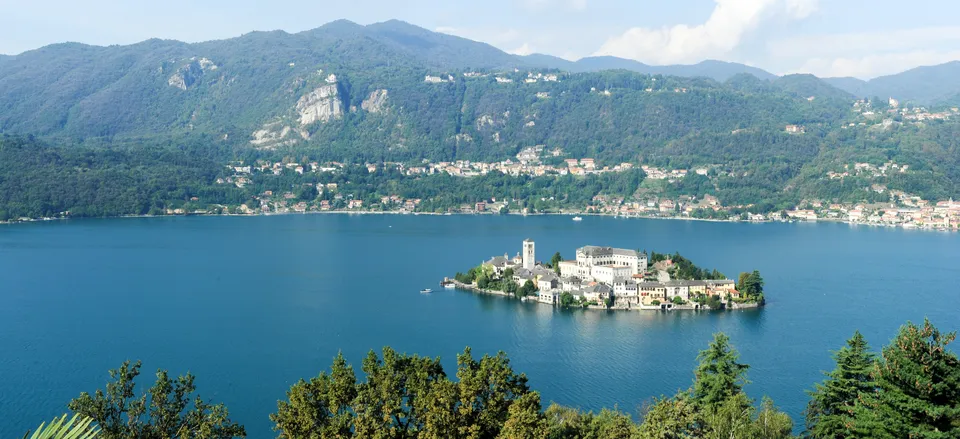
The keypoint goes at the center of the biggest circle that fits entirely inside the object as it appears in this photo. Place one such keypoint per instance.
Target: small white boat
(426, 291)
(450, 285)
(577, 218)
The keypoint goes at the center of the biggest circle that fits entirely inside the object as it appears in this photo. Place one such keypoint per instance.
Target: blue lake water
(250, 305)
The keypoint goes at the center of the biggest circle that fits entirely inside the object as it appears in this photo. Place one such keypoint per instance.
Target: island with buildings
(611, 279)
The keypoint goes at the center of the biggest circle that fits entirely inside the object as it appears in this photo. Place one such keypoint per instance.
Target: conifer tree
(829, 413)
(719, 376)
(918, 395)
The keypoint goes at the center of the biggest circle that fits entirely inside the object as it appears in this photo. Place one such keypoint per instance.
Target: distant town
(901, 209)
(610, 278)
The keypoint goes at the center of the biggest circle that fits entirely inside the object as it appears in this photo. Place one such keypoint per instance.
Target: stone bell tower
(529, 254)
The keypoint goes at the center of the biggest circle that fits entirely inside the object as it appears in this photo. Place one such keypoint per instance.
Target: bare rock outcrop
(191, 73)
(376, 102)
(320, 105)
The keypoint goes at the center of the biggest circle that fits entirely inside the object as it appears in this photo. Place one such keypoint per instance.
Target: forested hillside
(159, 120)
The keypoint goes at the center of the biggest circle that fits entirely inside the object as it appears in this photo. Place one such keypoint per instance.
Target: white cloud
(523, 50)
(887, 41)
(724, 30)
(536, 5)
(873, 65)
(868, 54)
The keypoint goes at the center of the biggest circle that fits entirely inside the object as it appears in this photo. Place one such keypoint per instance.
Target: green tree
(731, 418)
(566, 422)
(319, 408)
(670, 418)
(555, 262)
(612, 424)
(163, 412)
(771, 423)
(567, 300)
(719, 376)
(524, 420)
(829, 413)
(918, 388)
(677, 300)
(485, 390)
(390, 403)
(528, 289)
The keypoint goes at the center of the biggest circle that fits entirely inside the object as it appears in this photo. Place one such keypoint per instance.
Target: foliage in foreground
(78, 427)
(163, 412)
(912, 390)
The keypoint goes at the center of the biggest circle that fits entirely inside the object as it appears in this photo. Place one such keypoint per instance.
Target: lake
(251, 304)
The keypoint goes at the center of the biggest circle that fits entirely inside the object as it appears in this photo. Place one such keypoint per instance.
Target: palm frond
(78, 427)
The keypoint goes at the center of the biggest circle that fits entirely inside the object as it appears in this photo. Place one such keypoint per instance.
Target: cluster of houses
(606, 275)
(915, 114)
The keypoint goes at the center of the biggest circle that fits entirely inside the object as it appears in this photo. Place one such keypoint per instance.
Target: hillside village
(609, 278)
(899, 209)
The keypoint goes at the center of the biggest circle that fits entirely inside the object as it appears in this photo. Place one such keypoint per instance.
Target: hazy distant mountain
(717, 70)
(440, 49)
(923, 85)
(806, 86)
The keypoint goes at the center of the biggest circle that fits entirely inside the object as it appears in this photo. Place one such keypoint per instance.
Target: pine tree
(718, 376)
(918, 394)
(829, 413)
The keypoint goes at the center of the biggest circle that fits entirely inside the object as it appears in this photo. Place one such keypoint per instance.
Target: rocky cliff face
(375, 102)
(320, 105)
(191, 73)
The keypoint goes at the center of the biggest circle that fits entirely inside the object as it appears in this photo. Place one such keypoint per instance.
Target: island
(608, 278)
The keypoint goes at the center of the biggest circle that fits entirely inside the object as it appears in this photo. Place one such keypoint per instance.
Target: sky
(859, 38)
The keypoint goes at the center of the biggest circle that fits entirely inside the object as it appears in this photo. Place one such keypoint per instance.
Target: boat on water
(577, 218)
(449, 285)
(426, 291)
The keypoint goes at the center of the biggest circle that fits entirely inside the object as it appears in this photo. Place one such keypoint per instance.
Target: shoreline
(459, 286)
(570, 214)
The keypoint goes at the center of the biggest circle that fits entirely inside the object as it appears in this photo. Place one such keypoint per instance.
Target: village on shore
(900, 209)
(610, 278)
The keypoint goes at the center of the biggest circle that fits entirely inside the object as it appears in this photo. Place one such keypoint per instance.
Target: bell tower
(529, 254)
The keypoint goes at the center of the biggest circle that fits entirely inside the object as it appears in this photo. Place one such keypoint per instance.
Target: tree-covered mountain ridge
(393, 92)
(280, 86)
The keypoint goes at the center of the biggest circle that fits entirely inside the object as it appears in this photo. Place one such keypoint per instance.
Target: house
(549, 297)
(668, 206)
(596, 292)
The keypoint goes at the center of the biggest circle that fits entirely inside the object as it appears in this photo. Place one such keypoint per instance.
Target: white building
(529, 254)
(605, 263)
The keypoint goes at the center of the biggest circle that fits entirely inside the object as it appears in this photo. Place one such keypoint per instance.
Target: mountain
(922, 85)
(803, 85)
(441, 50)
(276, 88)
(395, 92)
(549, 62)
(716, 70)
